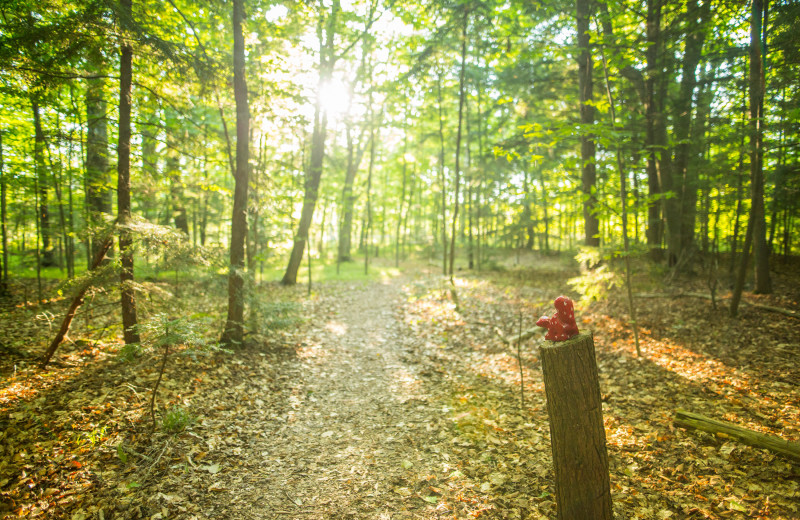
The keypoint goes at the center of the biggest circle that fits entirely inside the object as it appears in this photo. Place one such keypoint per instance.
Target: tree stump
(577, 435)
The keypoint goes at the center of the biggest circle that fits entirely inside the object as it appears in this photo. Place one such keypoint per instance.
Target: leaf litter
(390, 403)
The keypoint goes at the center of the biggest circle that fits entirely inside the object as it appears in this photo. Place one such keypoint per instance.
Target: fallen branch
(786, 312)
(77, 301)
(751, 438)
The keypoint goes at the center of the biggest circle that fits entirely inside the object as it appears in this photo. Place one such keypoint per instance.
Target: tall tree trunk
(468, 181)
(462, 91)
(655, 228)
(203, 217)
(701, 153)
(527, 213)
(47, 258)
(623, 195)
(664, 164)
(127, 294)
(739, 192)
(368, 217)
(3, 222)
(180, 217)
(545, 217)
(685, 173)
(756, 228)
(442, 178)
(234, 324)
(174, 127)
(402, 197)
(98, 183)
(763, 283)
(404, 232)
(56, 167)
(355, 152)
(481, 170)
(70, 210)
(588, 169)
(313, 176)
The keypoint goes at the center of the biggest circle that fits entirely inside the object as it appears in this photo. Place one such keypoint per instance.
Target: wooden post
(577, 436)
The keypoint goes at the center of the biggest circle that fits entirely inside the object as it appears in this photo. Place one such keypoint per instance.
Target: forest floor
(387, 402)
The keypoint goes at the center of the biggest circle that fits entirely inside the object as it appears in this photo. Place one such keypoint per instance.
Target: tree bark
(179, 215)
(233, 333)
(756, 227)
(588, 148)
(128, 297)
(355, 152)
(763, 283)
(527, 213)
(462, 88)
(577, 437)
(682, 232)
(3, 220)
(442, 178)
(98, 174)
(367, 229)
(654, 69)
(404, 170)
(47, 258)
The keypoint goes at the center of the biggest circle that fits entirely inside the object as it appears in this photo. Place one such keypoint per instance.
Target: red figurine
(562, 325)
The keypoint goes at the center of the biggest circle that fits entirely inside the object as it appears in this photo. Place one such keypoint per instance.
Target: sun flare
(334, 98)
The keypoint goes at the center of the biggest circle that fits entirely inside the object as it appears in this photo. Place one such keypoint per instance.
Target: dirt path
(389, 404)
(354, 438)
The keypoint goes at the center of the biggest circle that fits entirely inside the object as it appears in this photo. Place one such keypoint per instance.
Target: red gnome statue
(562, 325)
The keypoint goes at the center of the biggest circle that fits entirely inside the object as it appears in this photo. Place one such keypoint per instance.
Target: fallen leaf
(212, 468)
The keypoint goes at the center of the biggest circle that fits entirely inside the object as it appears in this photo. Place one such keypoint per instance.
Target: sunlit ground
(735, 386)
(639, 419)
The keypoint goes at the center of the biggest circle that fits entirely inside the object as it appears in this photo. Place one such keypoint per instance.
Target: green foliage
(122, 455)
(272, 316)
(177, 419)
(163, 331)
(96, 435)
(597, 278)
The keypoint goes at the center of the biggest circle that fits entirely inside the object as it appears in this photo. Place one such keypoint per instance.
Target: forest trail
(388, 403)
(358, 422)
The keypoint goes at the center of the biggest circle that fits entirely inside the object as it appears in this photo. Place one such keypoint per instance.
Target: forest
(282, 259)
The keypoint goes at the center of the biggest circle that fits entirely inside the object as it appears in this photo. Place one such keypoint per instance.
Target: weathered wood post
(577, 436)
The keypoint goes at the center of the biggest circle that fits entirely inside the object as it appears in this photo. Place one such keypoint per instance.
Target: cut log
(758, 440)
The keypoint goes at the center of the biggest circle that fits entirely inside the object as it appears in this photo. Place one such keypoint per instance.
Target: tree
(588, 168)
(682, 230)
(654, 88)
(756, 228)
(327, 60)
(43, 182)
(98, 183)
(3, 221)
(129, 320)
(462, 88)
(757, 125)
(234, 325)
